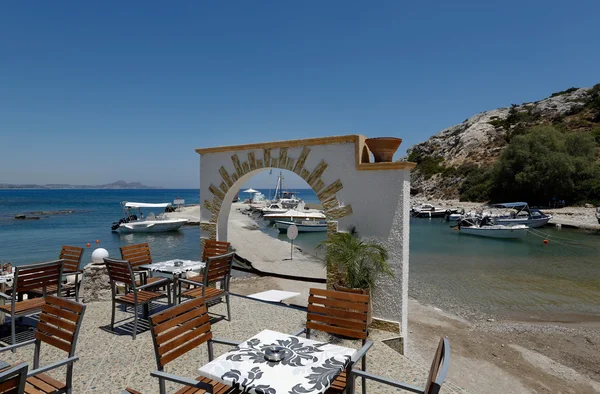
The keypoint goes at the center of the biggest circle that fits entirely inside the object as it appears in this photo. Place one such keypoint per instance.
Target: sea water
(523, 278)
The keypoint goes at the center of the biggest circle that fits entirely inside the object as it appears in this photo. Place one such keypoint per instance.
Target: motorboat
(523, 215)
(598, 214)
(485, 227)
(135, 222)
(274, 208)
(294, 215)
(257, 202)
(430, 211)
(305, 226)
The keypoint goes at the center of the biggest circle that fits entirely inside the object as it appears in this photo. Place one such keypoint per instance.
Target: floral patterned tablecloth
(309, 367)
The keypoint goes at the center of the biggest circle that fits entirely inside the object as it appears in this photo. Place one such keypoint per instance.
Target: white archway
(374, 197)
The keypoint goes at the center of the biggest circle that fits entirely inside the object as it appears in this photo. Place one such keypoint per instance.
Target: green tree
(546, 163)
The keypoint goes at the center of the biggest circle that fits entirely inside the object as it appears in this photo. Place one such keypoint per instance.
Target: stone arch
(230, 184)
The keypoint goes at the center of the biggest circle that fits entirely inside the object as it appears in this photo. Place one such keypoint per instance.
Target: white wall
(379, 200)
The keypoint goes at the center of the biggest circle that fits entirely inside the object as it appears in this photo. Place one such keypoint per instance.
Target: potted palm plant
(354, 263)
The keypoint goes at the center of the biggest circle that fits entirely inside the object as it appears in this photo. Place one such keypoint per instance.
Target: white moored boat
(497, 231)
(305, 226)
(136, 223)
(484, 227)
(524, 215)
(294, 215)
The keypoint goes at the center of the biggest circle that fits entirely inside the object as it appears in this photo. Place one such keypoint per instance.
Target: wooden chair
(345, 314)
(71, 257)
(177, 331)
(59, 326)
(137, 255)
(120, 271)
(12, 379)
(217, 270)
(27, 278)
(211, 249)
(436, 378)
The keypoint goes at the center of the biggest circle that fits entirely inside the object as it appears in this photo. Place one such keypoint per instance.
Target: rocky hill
(114, 185)
(445, 159)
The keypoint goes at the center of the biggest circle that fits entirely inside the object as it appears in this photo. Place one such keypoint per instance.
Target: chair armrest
(161, 282)
(389, 382)
(225, 342)
(18, 345)
(361, 352)
(189, 282)
(300, 332)
(181, 380)
(5, 296)
(55, 365)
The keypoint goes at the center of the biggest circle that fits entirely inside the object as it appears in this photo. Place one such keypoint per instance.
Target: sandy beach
(488, 356)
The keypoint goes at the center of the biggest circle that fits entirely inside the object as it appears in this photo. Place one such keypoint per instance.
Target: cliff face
(479, 140)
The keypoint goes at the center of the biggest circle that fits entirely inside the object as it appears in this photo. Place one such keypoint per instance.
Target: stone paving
(110, 361)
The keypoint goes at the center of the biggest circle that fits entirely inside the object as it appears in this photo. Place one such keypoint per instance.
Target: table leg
(175, 289)
(145, 310)
(3, 290)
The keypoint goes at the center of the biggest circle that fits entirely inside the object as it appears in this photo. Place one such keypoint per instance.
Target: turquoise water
(470, 275)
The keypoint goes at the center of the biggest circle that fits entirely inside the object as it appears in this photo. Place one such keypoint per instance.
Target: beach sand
(495, 356)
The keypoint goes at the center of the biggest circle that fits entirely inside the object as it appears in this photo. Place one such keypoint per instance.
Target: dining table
(175, 269)
(305, 367)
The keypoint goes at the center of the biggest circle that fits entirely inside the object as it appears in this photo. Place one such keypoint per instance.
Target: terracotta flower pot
(383, 148)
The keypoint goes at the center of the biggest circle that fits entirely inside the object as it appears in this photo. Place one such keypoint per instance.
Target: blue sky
(93, 92)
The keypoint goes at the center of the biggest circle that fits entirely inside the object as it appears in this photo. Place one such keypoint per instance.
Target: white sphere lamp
(98, 255)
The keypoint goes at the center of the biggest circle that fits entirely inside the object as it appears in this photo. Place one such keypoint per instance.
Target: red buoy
(546, 242)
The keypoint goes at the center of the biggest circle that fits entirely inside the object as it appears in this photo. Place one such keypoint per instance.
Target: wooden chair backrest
(120, 271)
(71, 255)
(59, 323)
(436, 377)
(179, 329)
(218, 268)
(137, 255)
(338, 312)
(12, 379)
(36, 276)
(214, 248)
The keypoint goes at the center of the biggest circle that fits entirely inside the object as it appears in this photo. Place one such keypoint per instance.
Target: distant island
(114, 185)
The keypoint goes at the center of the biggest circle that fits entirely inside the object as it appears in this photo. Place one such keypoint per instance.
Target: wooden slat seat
(179, 330)
(12, 378)
(148, 280)
(58, 327)
(218, 388)
(217, 271)
(339, 313)
(210, 293)
(121, 272)
(26, 306)
(338, 386)
(71, 257)
(43, 383)
(142, 297)
(214, 248)
(26, 279)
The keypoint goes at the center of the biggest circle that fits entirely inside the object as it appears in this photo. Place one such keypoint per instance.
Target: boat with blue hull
(523, 215)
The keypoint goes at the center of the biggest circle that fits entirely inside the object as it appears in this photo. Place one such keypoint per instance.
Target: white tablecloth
(308, 367)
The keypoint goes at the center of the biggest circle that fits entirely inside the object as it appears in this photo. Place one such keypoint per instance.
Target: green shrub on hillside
(546, 163)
